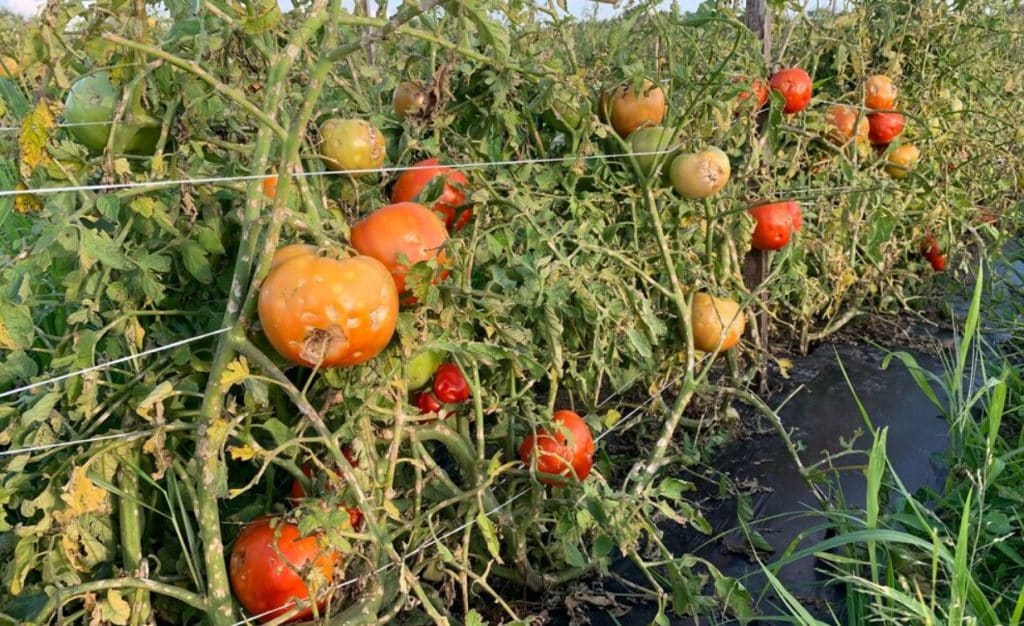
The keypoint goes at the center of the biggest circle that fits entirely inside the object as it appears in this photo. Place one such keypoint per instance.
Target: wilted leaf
(242, 453)
(115, 609)
(82, 497)
(35, 132)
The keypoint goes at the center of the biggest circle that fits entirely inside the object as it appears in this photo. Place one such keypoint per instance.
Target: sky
(577, 7)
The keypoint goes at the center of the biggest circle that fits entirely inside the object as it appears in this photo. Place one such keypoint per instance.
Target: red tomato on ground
(561, 455)
(795, 86)
(263, 566)
(412, 182)
(885, 127)
(450, 385)
(775, 224)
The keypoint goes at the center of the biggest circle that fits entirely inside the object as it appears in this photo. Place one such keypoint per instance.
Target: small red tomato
(760, 92)
(427, 402)
(884, 127)
(938, 262)
(413, 181)
(795, 86)
(930, 247)
(450, 385)
(265, 564)
(775, 224)
(560, 455)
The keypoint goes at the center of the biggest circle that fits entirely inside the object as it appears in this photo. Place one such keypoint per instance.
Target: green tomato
(422, 367)
(92, 102)
(651, 139)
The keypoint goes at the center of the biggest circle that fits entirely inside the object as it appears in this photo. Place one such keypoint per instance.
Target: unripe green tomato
(92, 102)
(421, 368)
(651, 139)
(351, 145)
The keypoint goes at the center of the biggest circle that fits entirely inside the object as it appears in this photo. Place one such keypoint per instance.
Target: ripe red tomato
(450, 385)
(885, 127)
(263, 566)
(795, 86)
(296, 493)
(938, 262)
(411, 183)
(628, 110)
(427, 402)
(319, 310)
(775, 224)
(405, 228)
(930, 247)
(561, 455)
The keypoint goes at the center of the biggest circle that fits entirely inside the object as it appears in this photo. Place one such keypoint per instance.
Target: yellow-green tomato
(421, 368)
(647, 140)
(701, 174)
(351, 145)
(902, 160)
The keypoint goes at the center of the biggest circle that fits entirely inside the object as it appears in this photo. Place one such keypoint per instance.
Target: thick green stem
(130, 524)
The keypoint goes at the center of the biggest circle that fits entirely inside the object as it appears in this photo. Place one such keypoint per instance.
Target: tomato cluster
(449, 390)
(932, 251)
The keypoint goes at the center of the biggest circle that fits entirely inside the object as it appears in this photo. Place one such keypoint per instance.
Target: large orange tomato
(412, 182)
(343, 311)
(879, 92)
(775, 222)
(885, 127)
(717, 324)
(628, 110)
(405, 228)
(560, 455)
(795, 86)
(846, 123)
(264, 564)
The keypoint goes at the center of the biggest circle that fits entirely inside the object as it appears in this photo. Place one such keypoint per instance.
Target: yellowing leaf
(611, 418)
(26, 202)
(154, 401)
(82, 497)
(35, 132)
(235, 372)
(135, 333)
(392, 510)
(116, 609)
(243, 453)
(784, 366)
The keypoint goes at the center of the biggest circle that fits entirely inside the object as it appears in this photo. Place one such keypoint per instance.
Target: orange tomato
(413, 181)
(571, 456)
(795, 86)
(404, 228)
(264, 564)
(716, 323)
(902, 160)
(760, 91)
(846, 123)
(270, 186)
(879, 92)
(343, 311)
(629, 110)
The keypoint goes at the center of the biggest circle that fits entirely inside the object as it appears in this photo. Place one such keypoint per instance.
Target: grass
(955, 557)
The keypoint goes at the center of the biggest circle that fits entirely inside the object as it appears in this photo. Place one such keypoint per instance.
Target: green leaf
(109, 207)
(194, 258)
(280, 433)
(98, 246)
(41, 410)
(487, 529)
(473, 619)
(572, 555)
(674, 488)
(602, 547)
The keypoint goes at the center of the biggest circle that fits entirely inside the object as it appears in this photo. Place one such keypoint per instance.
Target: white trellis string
(464, 526)
(8, 129)
(350, 172)
(107, 364)
(67, 444)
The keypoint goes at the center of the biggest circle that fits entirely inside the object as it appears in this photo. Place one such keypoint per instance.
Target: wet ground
(825, 419)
